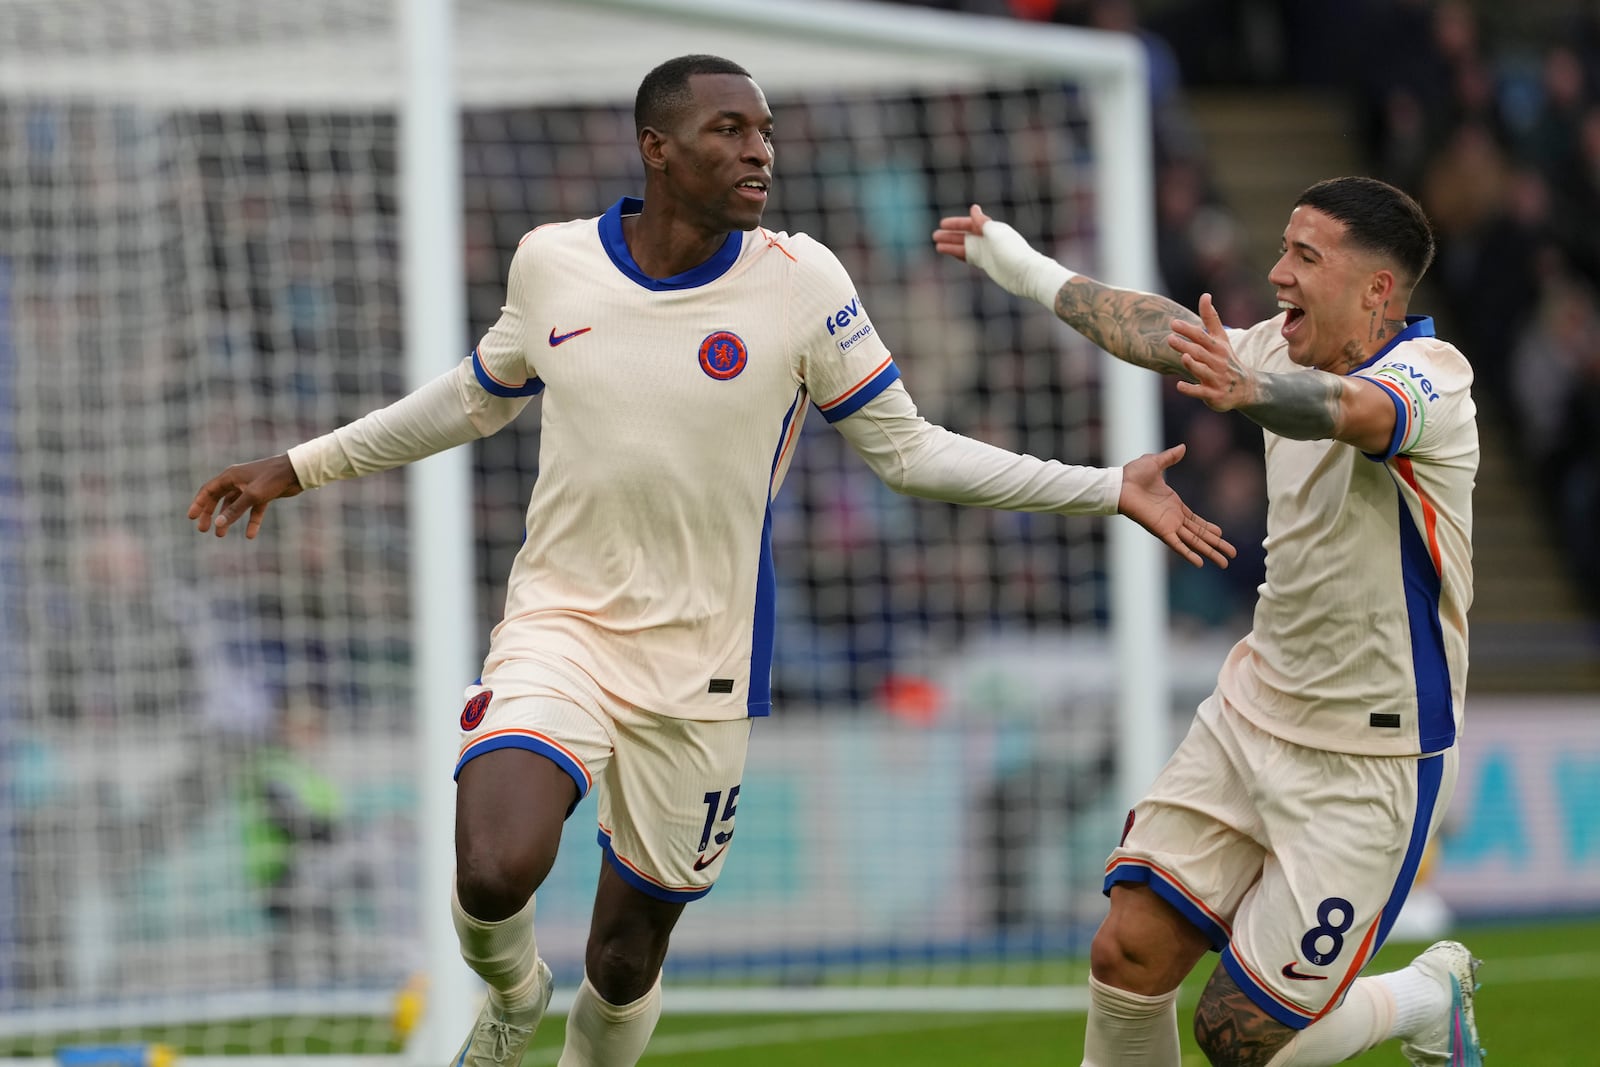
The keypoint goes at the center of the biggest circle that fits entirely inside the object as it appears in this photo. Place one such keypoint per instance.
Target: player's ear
(653, 149)
(1382, 287)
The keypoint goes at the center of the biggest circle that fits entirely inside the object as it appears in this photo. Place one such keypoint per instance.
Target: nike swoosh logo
(1289, 972)
(562, 338)
(705, 861)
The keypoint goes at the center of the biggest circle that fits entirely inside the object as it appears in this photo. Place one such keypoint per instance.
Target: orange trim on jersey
(1356, 964)
(1168, 877)
(1430, 516)
(1405, 402)
(856, 388)
(1362, 956)
(547, 739)
(612, 841)
(1269, 991)
(772, 242)
(477, 357)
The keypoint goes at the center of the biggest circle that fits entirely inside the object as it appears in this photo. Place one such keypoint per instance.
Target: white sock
(600, 1034)
(1365, 1019)
(1418, 999)
(1130, 1029)
(502, 953)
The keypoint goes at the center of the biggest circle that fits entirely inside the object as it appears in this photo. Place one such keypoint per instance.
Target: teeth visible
(1286, 306)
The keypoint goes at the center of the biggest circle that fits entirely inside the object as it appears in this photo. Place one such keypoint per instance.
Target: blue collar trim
(1416, 326)
(616, 247)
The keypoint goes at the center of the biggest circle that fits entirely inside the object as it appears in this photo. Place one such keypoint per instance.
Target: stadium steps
(1530, 631)
(1264, 148)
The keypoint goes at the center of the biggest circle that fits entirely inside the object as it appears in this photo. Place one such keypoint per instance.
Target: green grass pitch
(1541, 981)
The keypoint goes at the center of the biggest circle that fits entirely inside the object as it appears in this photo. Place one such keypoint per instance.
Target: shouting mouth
(1291, 322)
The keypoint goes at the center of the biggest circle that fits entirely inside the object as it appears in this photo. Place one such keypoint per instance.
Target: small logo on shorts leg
(1127, 827)
(472, 714)
(1289, 972)
(703, 861)
(723, 355)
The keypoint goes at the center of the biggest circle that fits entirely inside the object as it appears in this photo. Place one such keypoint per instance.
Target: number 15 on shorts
(710, 833)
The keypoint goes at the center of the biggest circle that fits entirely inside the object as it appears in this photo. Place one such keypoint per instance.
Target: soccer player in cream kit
(675, 345)
(1286, 830)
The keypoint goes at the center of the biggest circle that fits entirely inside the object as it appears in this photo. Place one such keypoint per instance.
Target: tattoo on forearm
(1232, 1030)
(1131, 325)
(1303, 405)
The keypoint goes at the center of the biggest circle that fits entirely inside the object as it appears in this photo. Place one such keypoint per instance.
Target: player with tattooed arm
(1287, 828)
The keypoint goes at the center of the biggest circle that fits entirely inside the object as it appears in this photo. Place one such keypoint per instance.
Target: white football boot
(500, 1037)
(1453, 1040)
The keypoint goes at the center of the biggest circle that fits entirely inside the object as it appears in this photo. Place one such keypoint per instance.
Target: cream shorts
(668, 788)
(1293, 861)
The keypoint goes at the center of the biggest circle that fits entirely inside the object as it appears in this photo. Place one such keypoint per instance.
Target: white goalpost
(225, 812)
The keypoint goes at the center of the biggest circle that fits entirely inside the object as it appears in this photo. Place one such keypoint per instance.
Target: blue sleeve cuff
(495, 387)
(862, 395)
(1399, 429)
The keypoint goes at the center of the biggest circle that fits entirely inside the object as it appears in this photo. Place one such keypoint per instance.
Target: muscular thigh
(532, 744)
(1195, 838)
(1346, 833)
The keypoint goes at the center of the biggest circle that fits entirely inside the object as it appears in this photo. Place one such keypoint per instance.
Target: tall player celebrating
(1287, 829)
(676, 344)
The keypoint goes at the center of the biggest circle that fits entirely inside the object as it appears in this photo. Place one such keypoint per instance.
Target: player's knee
(621, 970)
(1113, 961)
(1111, 964)
(490, 886)
(1106, 957)
(1128, 963)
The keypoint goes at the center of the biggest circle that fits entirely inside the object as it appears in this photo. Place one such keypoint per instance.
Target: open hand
(1148, 500)
(243, 487)
(1217, 376)
(951, 236)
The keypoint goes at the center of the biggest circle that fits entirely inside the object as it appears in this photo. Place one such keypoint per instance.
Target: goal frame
(429, 101)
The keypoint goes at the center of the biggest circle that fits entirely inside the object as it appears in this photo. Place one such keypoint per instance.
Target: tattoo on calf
(1232, 1030)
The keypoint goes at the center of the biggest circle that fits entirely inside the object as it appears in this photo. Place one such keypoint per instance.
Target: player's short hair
(664, 94)
(1379, 218)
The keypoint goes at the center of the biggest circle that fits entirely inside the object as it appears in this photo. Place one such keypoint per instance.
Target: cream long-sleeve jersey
(671, 408)
(1359, 642)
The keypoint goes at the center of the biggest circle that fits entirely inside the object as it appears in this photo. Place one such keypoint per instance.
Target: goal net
(209, 758)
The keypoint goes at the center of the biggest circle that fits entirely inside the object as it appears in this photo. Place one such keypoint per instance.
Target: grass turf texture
(1540, 982)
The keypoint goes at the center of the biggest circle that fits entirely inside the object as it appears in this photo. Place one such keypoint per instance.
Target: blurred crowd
(1500, 138)
(1489, 114)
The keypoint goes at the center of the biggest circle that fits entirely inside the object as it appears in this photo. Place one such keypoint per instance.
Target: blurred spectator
(289, 812)
(1508, 167)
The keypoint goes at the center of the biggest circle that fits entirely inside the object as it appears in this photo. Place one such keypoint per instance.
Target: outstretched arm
(915, 457)
(243, 487)
(448, 411)
(1131, 325)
